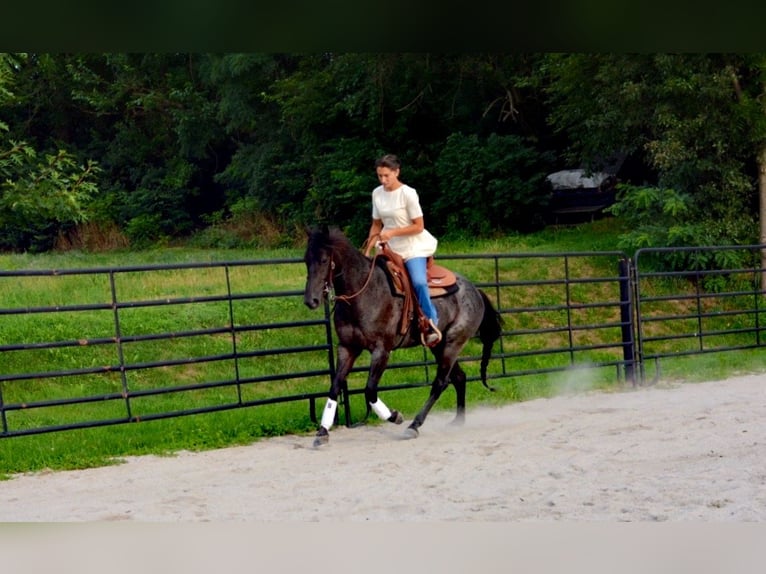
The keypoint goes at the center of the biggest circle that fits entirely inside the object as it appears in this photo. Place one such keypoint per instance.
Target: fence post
(626, 320)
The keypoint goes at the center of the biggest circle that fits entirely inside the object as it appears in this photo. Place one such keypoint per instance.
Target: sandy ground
(683, 452)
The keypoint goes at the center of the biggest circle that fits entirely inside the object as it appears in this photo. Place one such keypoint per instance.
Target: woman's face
(388, 177)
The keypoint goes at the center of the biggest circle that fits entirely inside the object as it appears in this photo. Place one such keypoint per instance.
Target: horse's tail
(489, 331)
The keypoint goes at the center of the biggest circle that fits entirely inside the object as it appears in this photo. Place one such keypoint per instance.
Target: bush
(661, 217)
(247, 227)
(39, 197)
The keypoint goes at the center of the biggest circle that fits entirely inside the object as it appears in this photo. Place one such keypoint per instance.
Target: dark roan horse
(367, 316)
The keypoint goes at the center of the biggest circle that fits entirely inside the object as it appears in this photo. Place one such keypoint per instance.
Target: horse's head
(319, 266)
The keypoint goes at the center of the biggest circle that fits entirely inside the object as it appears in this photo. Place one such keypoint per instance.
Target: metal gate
(96, 347)
(712, 303)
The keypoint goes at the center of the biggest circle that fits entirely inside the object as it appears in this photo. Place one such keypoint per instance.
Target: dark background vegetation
(106, 150)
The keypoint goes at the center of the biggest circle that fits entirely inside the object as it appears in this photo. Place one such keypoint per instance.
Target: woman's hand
(372, 241)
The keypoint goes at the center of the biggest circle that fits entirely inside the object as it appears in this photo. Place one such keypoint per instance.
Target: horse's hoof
(457, 422)
(396, 418)
(322, 437)
(411, 432)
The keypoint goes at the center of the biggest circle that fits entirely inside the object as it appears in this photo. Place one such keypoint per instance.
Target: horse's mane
(334, 239)
(338, 239)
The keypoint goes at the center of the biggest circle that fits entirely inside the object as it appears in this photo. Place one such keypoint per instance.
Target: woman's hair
(389, 160)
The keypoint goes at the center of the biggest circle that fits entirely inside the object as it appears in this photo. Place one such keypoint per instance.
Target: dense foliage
(698, 120)
(245, 149)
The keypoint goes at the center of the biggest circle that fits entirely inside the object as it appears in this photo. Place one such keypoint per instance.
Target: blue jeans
(416, 267)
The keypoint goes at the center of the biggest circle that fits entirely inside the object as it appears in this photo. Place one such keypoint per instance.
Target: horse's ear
(325, 230)
(318, 228)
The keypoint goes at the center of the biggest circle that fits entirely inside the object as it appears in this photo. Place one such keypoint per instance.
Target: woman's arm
(374, 235)
(413, 228)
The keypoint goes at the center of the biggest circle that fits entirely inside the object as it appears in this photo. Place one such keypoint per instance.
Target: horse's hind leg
(458, 379)
(437, 387)
(440, 382)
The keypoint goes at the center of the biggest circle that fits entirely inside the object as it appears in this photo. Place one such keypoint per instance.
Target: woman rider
(397, 219)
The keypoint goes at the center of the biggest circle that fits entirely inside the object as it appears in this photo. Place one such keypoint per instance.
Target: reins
(348, 298)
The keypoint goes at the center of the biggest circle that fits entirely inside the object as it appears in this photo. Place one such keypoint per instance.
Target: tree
(490, 184)
(153, 124)
(697, 118)
(338, 111)
(39, 196)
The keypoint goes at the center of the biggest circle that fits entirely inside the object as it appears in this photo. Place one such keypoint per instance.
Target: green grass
(108, 444)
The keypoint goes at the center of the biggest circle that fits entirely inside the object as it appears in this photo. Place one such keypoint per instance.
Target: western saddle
(441, 281)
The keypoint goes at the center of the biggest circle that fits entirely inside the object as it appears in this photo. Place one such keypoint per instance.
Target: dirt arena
(671, 452)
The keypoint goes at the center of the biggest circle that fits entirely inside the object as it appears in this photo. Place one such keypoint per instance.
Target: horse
(367, 316)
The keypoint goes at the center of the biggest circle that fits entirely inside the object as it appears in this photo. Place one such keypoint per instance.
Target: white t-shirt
(398, 208)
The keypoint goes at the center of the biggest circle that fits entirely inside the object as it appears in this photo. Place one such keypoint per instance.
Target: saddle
(441, 282)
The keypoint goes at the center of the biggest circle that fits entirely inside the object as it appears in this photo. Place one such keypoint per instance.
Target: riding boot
(433, 336)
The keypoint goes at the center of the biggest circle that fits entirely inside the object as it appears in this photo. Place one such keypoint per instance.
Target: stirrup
(433, 337)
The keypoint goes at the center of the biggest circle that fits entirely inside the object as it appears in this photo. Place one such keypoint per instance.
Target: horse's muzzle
(311, 303)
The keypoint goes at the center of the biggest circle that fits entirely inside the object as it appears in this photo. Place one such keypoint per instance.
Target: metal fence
(95, 347)
(106, 346)
(712, 302)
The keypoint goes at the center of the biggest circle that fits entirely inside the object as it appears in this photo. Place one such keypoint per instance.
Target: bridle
(330, 281)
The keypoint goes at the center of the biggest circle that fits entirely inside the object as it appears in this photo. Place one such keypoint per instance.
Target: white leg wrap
(381, 409)
(328, 415)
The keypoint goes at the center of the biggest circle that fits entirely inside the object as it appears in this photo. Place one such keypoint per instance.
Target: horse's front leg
(346, 358)
(378, 363)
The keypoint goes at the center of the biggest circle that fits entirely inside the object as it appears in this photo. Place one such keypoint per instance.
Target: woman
(397, 219)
